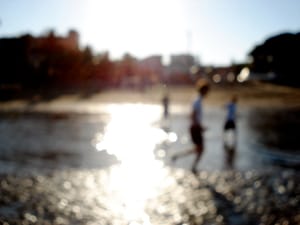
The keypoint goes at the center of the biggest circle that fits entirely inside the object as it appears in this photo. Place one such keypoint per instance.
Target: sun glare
(135, 26)
(132, 135)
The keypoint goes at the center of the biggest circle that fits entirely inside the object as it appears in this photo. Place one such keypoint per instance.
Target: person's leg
(229, 157)
(235, 134)
(199, 149)
(229, 135)
(182, 154)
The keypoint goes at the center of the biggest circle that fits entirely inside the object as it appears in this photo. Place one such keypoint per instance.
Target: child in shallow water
(230, 123)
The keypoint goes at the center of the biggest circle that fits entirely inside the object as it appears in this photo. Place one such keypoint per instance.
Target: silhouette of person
(230, 135)
(165, 101)
(230, 123)
(196, 126)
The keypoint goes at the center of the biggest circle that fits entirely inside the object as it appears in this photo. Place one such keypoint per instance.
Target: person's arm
(194, 117)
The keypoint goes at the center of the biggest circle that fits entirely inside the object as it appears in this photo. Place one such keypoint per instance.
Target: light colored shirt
(197, 107)
(231, 111)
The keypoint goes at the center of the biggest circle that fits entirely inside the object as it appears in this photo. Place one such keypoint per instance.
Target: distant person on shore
(197, 128)
(165, 102)
(230, 124)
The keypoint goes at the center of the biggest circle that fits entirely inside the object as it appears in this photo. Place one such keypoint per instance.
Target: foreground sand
(90, 197)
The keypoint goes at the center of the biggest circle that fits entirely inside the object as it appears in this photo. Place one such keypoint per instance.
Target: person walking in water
(196, 127)
(230, 124)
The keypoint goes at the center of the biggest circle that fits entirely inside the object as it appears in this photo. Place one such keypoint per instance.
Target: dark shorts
(230, 124)
(196, 134)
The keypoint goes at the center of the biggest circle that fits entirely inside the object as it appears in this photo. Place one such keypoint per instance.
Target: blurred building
(151, 69)
(179, 69)
(181, 64)
(69, 42)
(30, 61)
(38, 47)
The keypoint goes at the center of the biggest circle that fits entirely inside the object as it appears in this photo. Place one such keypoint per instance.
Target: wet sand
(86, 197)
(67, 182)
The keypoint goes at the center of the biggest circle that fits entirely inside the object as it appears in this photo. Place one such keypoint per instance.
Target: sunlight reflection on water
(132, 135)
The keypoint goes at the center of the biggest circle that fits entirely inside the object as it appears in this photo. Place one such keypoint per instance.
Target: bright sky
(217, 31)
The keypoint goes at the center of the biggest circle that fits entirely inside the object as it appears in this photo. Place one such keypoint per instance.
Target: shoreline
(251, 94)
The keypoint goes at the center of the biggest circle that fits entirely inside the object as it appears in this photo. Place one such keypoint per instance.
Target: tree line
(51, 61)
(279, 55)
